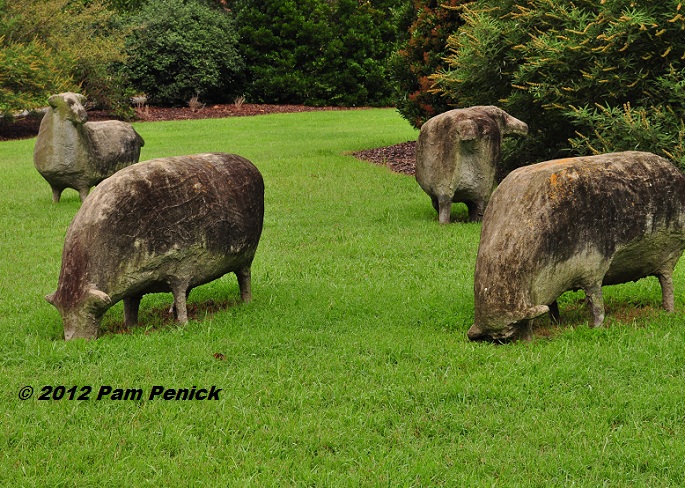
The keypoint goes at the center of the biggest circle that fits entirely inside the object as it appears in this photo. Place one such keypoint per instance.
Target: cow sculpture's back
(576, 223)
(73, 153)
(167, 224)
(457, 156)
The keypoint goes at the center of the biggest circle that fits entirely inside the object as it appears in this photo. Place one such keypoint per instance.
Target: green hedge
(48, 47)
(179, 49)
(318, 52)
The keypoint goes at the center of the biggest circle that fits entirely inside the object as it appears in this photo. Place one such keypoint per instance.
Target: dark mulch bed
(27, 127)
(399, 158)
(22, 128)
(155, 114)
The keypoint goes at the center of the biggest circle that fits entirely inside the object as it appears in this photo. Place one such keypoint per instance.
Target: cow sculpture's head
(81, 319)
(69, 106)
(506, 328)
(508, 125)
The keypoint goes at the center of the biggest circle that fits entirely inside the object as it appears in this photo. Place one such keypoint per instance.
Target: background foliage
(422, 55)
(28, 73)
(319, 52)
(587, 76)
(48, 47)
(580, 70)
(182, 48)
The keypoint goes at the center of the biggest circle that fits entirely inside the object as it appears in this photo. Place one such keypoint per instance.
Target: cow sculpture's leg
(180, 292)
(56, 194)
(83, 193)
(131, 306)
(667, 299)
(444, 209)
(593, 293)
(434, 202)
(245, 283)
(476, 210)
(173, 310)
(526, 330)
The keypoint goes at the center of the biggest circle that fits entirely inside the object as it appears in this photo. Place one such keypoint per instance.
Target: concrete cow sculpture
(71, 152)
(572, 224)
(167, 224)
(457, 156)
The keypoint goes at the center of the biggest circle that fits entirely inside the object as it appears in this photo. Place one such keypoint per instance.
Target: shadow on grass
(576, 314)
(162, 317)
(460, 213)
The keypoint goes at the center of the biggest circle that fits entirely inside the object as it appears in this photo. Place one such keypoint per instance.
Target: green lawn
(350, 367)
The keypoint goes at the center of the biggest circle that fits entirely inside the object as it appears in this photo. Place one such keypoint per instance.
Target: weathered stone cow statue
(571, 224)
(167, 224)
(457, 156)
(73, 153)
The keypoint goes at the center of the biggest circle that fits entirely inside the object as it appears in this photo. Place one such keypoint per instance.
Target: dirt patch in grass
(153, 319)
(577, 314)
(155, 114)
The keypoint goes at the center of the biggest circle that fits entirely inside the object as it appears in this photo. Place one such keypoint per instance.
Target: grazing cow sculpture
(570, 224)
(457, 156)
(167, 224)
(71, 152)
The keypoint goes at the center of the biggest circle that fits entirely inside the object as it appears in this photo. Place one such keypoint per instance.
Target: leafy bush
(28, 75)
(547, 62)
(422, 55)
(48, 47)
(125, 6)
(352, 68)
(278, 40)
(656, 129)
(318, 52)
(178, 49)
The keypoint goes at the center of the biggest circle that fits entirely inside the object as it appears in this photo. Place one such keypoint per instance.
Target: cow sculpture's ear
(52, 101)
(467, 129)
(98, 299)
(50, 298)
(536, 311)
(81, 98)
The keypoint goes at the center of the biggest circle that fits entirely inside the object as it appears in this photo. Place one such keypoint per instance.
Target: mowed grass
(350, 367)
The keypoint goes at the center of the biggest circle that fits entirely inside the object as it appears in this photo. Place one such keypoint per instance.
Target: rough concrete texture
(71, 152)
(570, 224)
(457, 156)
(167, 224)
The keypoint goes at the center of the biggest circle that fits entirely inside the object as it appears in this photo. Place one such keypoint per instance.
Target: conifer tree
(587, 76)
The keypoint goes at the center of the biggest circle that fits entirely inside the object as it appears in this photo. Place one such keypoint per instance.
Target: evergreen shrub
(319, 52)
(422, 55)
(28, 75)
(586, 76)
(179, 49)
